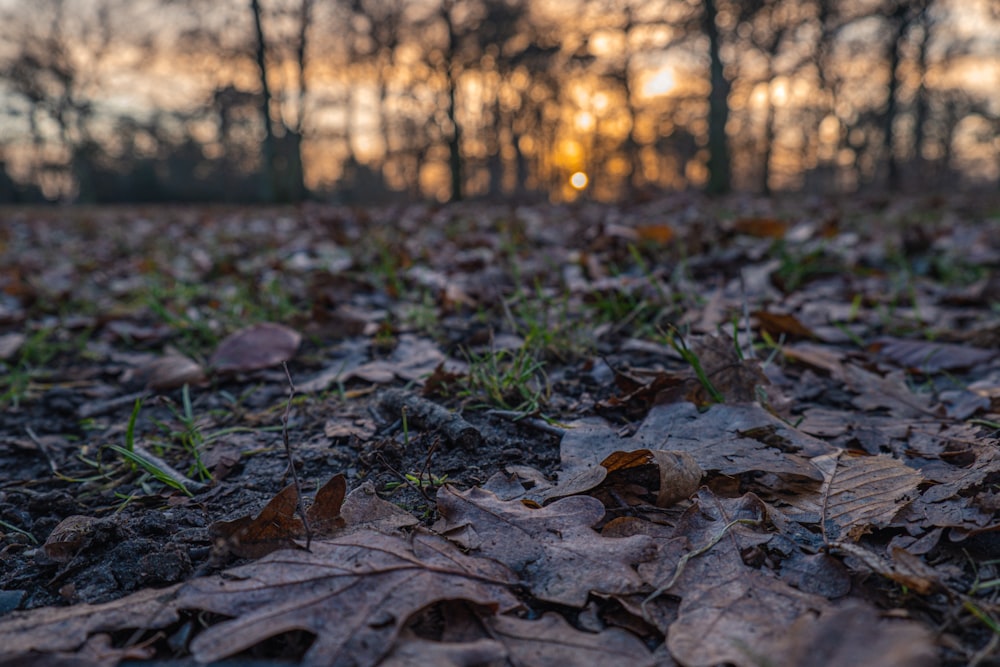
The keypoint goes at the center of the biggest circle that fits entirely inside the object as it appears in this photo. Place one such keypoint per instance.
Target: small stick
(291, 462)
(426, 414)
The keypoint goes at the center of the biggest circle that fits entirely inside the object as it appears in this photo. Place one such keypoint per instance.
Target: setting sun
(579, 180)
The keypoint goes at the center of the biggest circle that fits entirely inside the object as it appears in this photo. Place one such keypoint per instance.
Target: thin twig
(746, 320)
(403, 478)
(425, 472)
(682, 563)
(300, 506)
(44, 449)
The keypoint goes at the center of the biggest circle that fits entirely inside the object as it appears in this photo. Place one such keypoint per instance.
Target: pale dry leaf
(931, 357)
(170, 372)
(904, 568)
(854, 635)
(10, 343)
(550, 640)
(255, 347)
(730, 612)
(554, 549)
(858, 493)
(413, 359)
(731, 439)
(415, 652)
(53, 629)
(890, 392)
(363, 508)
(735, 378)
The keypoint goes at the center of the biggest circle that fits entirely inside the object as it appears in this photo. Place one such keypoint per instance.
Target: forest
(379, 100)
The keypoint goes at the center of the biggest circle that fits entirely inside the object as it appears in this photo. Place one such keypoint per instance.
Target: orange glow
(579, 180)
(660, 82)
(584, 121)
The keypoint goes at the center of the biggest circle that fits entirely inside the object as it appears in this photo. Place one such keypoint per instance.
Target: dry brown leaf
(555, 550)
(770, 228)
(735, 378)
(730, 611)
(717, 439)
(53, 629)
(929, 357)
(904, 568)
(415, 652)
(777, 324)
(255, 347)
(413, 359)
(363, 508)
(661, 234)
(10, 343)
(277, 526)
(858, 493)
(890, 392)
(170, 372)
(353, 592)
(68, 537)
(550, 640)
(854, 635)
(677, 474)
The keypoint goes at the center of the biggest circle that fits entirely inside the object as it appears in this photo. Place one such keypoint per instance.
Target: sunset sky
(139, 59)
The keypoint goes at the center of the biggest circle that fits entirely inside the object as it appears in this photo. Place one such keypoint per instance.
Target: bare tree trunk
(296, 190)
(892, 106)
(267, 149)
(454, 142)
(768, 144)
(455, 138)
(719, 167)
(921, 113)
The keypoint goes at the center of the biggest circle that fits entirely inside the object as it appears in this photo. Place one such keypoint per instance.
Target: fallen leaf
(10, 343)
(769, 228)
(661, 234)
(852, 635)
(677, 475)
(52, 629)
(255, 347)
(555, 550)
(777, 324)
(415, 652)
(170, 372)
(353, 592)
(736, 378)
(277, 526)
(68, 537)
(730, 611)
(927, 356)
(550, 640)
(363, 508)
(858, 493)
(715, 439)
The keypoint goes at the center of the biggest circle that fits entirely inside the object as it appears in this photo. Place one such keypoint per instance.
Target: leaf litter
(526, 435)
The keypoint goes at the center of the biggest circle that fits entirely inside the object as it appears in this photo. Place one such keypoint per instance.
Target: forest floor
(684, 431)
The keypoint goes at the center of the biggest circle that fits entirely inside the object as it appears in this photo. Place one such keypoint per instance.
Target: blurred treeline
(369, 100)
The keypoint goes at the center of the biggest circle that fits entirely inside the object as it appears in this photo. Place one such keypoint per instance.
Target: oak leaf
(353, 592)
(554, 549)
